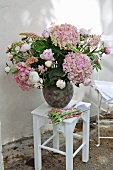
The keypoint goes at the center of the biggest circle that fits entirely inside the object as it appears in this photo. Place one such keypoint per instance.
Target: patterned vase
(56, 97)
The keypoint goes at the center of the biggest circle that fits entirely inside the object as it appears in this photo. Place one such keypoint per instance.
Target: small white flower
(61, 84)
(7, 69)
(48, 63)
(33, 77)
(17, 48)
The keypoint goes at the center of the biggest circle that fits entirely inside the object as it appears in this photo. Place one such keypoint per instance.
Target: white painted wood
(105, 95)
(37, 142)
(69, 146)
(40, 118)
(81, 146)
(105, 91)
(85, 150)
(48, 140)
(1, 156)
(52, 149)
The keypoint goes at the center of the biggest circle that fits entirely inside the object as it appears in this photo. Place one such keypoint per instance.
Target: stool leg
(98, 117)
(69, 146)
(37, 142)
(85, 150)
(1, 156)
(56, 138)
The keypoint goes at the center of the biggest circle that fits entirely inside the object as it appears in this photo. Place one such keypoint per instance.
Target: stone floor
(19, 155)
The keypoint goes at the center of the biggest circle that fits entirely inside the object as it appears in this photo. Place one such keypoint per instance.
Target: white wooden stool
(1, 156)
(40, 118)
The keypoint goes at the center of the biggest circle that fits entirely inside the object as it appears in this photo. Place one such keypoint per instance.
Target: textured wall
(33, 16)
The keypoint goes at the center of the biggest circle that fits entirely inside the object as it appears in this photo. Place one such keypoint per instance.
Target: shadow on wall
(27, 15)
(15, 105)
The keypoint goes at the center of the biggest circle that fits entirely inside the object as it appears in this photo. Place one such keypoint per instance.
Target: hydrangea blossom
(78, 67)
(22, 76)
(65, 36)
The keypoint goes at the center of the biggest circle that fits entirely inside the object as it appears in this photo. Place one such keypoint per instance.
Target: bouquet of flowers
(61, 54)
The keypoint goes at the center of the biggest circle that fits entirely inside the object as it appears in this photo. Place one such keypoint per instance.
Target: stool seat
(40, 118)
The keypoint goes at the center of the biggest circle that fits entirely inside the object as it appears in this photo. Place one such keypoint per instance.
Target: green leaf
(39, 46)
(56, 72)
(14, 70)
(92, 56)
(97, 67)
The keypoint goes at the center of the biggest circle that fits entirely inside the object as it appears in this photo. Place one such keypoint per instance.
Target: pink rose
(47, 55)
(46, 33)
(25, 47)
(107, 50)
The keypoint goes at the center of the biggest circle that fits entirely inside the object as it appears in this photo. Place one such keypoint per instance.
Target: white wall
(33, 16)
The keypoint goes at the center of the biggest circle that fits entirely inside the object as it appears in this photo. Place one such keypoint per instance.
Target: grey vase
(56, 97)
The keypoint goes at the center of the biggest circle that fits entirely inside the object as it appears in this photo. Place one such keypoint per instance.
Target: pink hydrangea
(65, 36)
(22, 76)
(78, 67)
(47, 55)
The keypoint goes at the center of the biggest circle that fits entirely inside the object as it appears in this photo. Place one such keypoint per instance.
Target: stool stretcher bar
(48, 140)
(52, 149)
(78, 149)
(106, 137)
(58, 151)
(77, 135)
